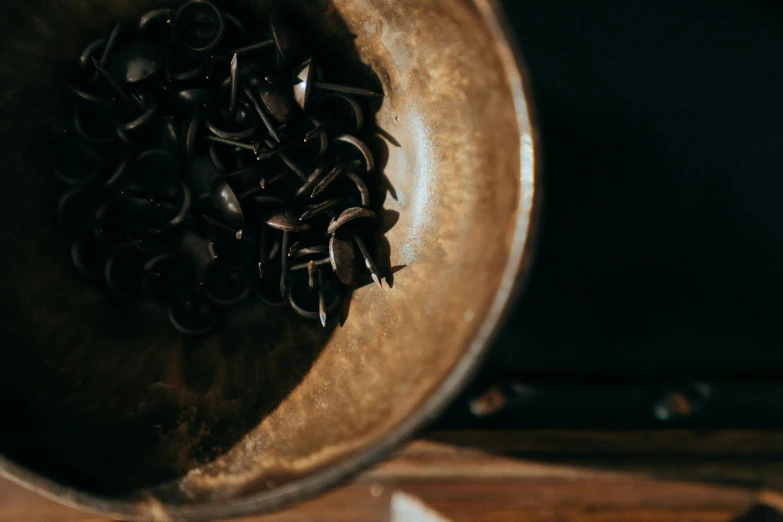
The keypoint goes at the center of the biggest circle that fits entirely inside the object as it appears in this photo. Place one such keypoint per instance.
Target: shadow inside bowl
(102, 394)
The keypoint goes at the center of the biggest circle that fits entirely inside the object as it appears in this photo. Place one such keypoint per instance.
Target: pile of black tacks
(207, 162)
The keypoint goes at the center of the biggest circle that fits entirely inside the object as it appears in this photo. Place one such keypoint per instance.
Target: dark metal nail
(287, 160)
(287, 220)
(305, 82)
(202, 175)
(89, 154)
(148, 104)
(300, 290)
(292, 166)
(275, 247)
(350, 215)
(253, 190)
(156, 16)
(169, 135)
(316, 132)
(217, 161)
(285, 37)
(119, 91)
(175, 208)
(217, 224)
(303, 87)
(312, 274)
(356, 91)
(242, 145)
(262, 114)
(118, 171)
(193, 131)
(323, 143)
(311, 182)
(136, 62)
(360, 147)
(327, 180)
(274, 151)
(146, 196)
(321, 294)
(148, 232)
(234, 85)
(262, 185)
(255, 47)
(239, 158)
(300, 252)
(269, 200)
(200, 25)
(90, 52)
(194, 70)
(361, 187)
(368, 260)
(342, 257)
(273, 79)
(228, 209)
(87, 96)
(111, 42)
(304, 266)
(279, 103)
(189, 99)
(348, 123)
(240, 126)
(275, 179)
(319, 209)
(248, 75)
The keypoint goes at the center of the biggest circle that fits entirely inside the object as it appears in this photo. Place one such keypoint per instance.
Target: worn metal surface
(107, 410)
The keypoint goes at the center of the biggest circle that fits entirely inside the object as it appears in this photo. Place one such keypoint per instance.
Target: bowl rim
(513, 281)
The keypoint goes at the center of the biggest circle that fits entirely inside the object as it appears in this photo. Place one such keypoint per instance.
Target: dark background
(660, 258)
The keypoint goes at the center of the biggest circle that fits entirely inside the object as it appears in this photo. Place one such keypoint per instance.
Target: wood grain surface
(538, 476)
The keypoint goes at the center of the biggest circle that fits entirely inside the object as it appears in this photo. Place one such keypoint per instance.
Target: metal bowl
(106, 409)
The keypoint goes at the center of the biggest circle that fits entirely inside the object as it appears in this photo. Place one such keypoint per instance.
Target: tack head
(342, 257)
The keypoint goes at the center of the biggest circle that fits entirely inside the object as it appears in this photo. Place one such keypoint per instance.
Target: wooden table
(537, 476)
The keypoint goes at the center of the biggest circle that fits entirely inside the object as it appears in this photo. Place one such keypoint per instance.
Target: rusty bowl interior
(106, 409)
